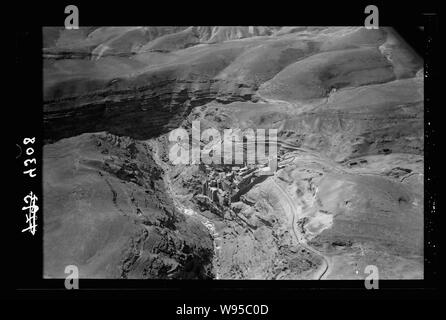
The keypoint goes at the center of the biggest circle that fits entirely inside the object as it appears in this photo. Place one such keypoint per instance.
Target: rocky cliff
(348, 106)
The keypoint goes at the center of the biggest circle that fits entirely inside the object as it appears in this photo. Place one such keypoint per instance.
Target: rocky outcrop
(107, 212)
(135, 92)
(139, 112)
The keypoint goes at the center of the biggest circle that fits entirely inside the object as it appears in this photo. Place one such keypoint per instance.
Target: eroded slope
(348, 106)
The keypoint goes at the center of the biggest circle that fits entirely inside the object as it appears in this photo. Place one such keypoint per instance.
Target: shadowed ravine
(348, 106)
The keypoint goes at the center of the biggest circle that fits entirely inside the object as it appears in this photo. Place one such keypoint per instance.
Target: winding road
(294, 212)
(321, 273)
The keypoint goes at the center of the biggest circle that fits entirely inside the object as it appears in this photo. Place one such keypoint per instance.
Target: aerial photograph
(232, 153)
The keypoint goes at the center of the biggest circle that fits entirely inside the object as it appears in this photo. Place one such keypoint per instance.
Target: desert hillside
(347, 104)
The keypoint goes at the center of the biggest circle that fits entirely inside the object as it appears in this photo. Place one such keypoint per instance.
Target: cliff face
(133, 89)
(139, 86)
(348, 106)
(139, 112)
(107, 212)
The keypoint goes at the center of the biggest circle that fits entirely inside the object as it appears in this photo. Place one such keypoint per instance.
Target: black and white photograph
(347, 191)
(183, 156)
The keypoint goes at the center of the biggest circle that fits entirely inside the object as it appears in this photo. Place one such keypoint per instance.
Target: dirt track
(297, 211)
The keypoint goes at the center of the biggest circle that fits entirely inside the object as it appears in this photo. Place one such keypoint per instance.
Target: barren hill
(348, 106)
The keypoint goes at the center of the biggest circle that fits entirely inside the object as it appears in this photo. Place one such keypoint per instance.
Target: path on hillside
(296, 214)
